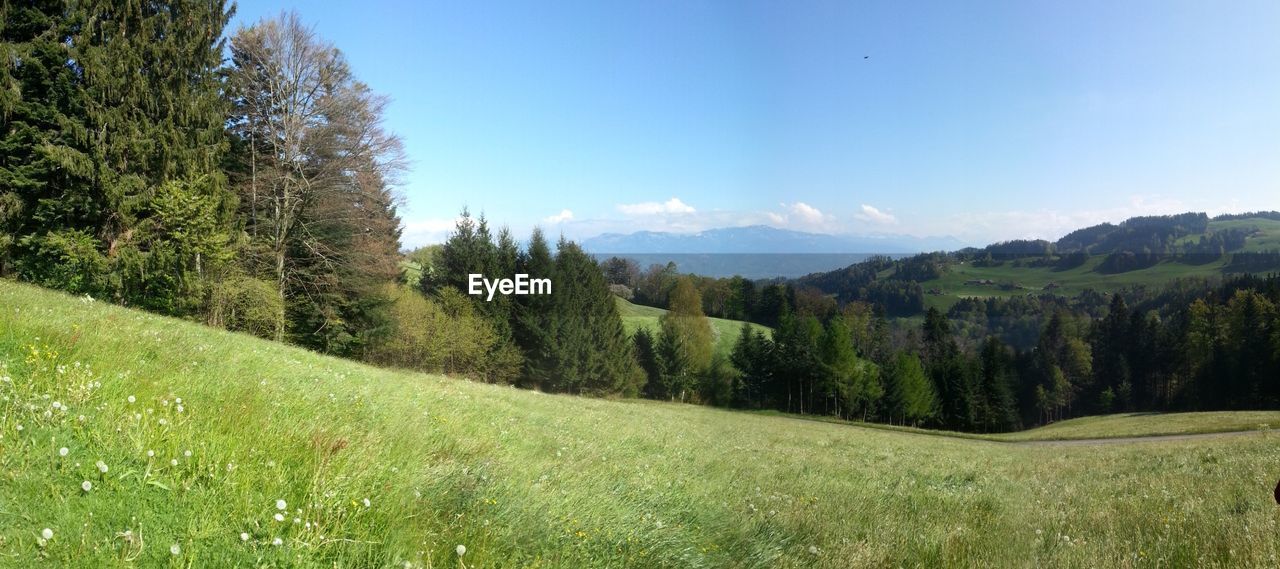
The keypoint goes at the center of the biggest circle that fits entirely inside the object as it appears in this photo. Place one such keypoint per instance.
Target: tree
(315, 195)
(532, 325)
(851, 383)
(752, 356)
(590, 351)
(997, 407)
(911, 395)
(685, 339)
(110, 149)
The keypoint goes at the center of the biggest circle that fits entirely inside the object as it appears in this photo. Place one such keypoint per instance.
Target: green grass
(531, 480)
(724, 332)
(1148, 424)
(1268, 238)
(1035, 280)
(1122, 425)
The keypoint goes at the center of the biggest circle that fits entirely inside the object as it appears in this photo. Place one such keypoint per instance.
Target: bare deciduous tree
(318, 203)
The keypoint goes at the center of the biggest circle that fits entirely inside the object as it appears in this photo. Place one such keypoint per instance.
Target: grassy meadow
(953, 285)
(724, 332)
(191, 447)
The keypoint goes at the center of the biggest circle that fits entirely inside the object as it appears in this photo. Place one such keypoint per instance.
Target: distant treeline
(1220, 350)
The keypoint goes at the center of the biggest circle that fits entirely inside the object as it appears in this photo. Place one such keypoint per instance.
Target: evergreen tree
(110, 148)
(532, 314)
(911, 395)
(852, 384)
(997, 408)
(590, 351)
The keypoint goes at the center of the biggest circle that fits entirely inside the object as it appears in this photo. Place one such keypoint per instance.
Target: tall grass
(522, 479)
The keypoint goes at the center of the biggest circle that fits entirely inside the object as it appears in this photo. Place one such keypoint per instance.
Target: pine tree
(532, 317)
(911, 395)
(998, 408)
(110, 149)
(852, 385)
(589, 350)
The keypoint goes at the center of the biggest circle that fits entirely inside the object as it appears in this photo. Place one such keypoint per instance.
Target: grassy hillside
(523, 479)
(1146, 424)
(1120, 425)
(725, 332)
(960, 279)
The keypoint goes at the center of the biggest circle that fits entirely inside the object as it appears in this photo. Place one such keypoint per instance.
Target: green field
(725, 332)
(957, 283)
(1147, 424)
(523, 479)
(1121, 425)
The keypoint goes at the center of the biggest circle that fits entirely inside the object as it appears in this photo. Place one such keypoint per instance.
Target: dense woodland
(245, 179)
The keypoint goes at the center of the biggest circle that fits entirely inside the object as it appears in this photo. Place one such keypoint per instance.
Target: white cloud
(802, 216)
(981, 228)
(563, 216)
(421, 232)
(874, 215)
(807, 213)
(673, 205)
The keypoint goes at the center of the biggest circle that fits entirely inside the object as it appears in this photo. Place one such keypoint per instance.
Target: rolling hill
(1036, 267)
(132, 439)
(724, 332)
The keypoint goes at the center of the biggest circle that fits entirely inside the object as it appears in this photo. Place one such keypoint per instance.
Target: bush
(64, 260)
(443, 335)
(247, 304)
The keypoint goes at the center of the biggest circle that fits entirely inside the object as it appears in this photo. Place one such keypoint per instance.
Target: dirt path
(1127, 440)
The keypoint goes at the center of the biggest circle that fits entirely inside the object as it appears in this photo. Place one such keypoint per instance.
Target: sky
(985, 121)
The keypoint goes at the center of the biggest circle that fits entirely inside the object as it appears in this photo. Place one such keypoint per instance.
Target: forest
(247, 180)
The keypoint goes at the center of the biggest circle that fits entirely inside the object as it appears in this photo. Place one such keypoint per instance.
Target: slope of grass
(724, 332)
(1266, 238)
(1148, 424)
(1121, 425)
(956, 282)
(523, 479)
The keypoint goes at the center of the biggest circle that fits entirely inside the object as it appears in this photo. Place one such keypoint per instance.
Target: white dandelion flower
(19, 427)
(244, 536)
(180, 408)
(297, 520)
(151, 453)
(365, 502)
(280, 505)
(461, 549)
(813, 550)
(86, 486)
(64, 451)
(279, 517)
(46, 533)
(102, 466)
(175, 549)
(80, 418)
(277, 542)
(173, 462)
(163, 421)
(133, 399)
(186, 453)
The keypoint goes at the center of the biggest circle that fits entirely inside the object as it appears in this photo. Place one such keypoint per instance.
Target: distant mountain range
(763, 239)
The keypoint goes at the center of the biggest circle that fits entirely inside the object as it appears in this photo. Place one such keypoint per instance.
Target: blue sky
(981, 120)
